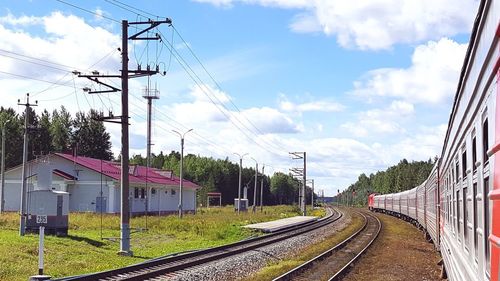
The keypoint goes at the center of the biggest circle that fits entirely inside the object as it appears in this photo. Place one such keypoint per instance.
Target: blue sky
(358, 86)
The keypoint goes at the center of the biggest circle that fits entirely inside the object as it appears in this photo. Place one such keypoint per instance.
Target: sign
(41, 219)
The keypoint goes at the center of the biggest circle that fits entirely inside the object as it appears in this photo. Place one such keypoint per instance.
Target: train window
(486, 221)
(466, 218)
(464, 163)
(474, 154)
(476, 216)
(458, 211)
(485, 142)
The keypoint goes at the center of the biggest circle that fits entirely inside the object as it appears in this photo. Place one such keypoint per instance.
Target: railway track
(333, 263)
(163, 267)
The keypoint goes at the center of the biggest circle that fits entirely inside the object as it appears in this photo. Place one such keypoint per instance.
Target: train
(458, 205)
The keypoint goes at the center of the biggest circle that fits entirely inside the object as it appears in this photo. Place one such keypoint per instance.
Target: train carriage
(412, 204)
(459, 204)
(404, 203)
(388, 202)
(421, 208)
(431, 203)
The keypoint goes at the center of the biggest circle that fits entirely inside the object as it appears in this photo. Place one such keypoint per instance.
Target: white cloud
(320, 105)
(431, 79)
(271, 121)
(375, 24)
(381, 121)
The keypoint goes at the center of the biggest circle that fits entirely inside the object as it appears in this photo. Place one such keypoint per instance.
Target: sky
(356, 85)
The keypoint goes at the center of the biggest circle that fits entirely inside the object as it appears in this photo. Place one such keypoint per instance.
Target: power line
(204, 89)
(124, 6)
(131, 7)
(88, 11)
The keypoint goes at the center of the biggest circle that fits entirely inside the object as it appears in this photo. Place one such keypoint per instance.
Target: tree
(60, 130)
(90, 136)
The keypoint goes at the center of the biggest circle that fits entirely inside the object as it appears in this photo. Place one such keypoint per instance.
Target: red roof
(138, 174)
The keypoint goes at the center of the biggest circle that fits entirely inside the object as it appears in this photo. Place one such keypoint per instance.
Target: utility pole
(255, 185)
(239, 179)
(262, 188)
(123, 119)
(150, 95)
(23, 215)
(181, 170)
(301, 172)
(2, 193)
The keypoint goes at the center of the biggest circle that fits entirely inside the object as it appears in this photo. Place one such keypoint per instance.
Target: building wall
(84, 192)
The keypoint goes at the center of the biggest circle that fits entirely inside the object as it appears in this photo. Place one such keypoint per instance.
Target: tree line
(222, 175)
(58, 131)
(403, 176)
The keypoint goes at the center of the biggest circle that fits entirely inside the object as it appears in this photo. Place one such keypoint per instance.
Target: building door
(59, 205)
(100, 204)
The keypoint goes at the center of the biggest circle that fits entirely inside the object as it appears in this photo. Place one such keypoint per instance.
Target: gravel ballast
(243, 265)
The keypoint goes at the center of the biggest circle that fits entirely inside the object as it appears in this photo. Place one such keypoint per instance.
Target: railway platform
(273, 226)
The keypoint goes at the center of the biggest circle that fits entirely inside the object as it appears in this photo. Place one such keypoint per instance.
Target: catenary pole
(255, 186)
(181, 170)
(239, 179)
(125, 200)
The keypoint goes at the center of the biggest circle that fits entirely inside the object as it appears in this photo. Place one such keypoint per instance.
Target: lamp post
(181, 168)
(261, 188)
(2, 199)
(255, 185)
(239, 179)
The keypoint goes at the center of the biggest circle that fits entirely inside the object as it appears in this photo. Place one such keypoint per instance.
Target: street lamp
(2, 199)
(255, 185)
(239, 179)
(180, 168)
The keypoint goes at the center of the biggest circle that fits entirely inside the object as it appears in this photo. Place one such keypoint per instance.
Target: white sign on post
(41, 219)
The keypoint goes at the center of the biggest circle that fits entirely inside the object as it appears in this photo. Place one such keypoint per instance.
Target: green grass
(83, 251)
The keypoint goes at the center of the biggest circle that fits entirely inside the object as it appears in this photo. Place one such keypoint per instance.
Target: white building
(94, 185)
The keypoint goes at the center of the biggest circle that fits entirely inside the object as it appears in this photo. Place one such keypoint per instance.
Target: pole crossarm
(95, 79)
(152, 24)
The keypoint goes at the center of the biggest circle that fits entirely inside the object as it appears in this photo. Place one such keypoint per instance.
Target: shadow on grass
(89, 241)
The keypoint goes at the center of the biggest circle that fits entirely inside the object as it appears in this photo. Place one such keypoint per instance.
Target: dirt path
(399, 253)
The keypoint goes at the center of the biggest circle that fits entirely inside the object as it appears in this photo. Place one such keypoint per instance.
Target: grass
(276, 268)
(84, 251)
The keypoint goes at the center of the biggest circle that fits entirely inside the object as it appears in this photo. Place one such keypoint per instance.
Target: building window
(474, 154)
(172, 191)
(143, 193)
(464, 163)
(485, 142)
(136, 192)
(457, 173)
(153, 191)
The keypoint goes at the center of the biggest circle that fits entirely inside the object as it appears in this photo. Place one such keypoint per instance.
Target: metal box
(243, 204)
(49, 208)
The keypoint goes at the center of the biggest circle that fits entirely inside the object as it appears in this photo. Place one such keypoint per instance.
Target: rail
(328, 265)
(169, 264)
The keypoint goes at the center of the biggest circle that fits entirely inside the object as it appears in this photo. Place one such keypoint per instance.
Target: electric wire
(88, 11)
(203, 84)
(187, 68)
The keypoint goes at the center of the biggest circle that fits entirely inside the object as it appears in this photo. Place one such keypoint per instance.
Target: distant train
(458, 206)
